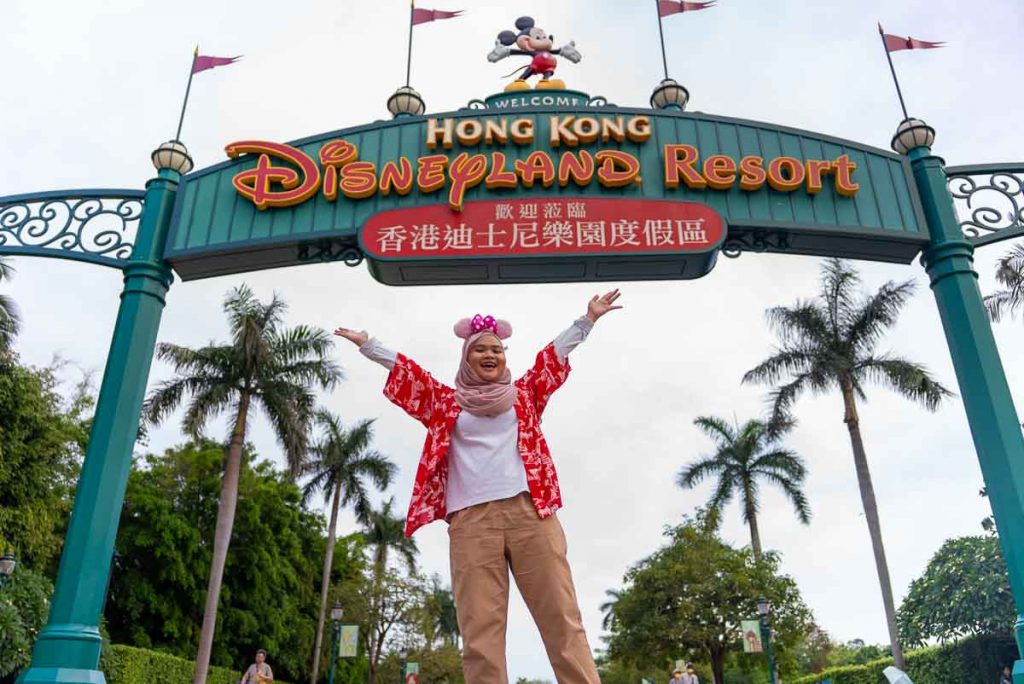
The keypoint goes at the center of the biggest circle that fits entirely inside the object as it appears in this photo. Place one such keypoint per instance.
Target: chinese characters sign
(544, 227)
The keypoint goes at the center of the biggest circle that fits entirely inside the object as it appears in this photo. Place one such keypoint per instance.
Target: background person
(259, 672)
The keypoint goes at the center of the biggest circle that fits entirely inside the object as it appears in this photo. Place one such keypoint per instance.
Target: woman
(486, 469)
(259, 672)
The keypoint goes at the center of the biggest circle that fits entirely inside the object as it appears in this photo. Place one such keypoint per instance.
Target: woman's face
(487, 358)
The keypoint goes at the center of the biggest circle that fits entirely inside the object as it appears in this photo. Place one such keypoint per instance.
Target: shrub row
(976, 660)
(130, 665)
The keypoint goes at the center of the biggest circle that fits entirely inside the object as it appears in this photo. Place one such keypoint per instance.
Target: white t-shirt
(484, 463)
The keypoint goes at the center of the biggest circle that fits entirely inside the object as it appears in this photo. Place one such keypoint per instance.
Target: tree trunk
(325, 584)
(755, 534)
(867, 496)
(222, 539)
(717, 654)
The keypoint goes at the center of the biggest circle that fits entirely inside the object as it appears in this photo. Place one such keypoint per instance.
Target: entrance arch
(514, 189)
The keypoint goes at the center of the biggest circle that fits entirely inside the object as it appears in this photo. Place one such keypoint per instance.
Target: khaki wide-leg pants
(486, 541)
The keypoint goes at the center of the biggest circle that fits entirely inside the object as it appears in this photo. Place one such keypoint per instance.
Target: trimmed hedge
(976, 660)
(130, 665)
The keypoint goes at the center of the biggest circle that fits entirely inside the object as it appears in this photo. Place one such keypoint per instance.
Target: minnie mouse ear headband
(467, 327)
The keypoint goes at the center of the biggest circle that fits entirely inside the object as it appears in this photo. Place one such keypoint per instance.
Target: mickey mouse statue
(533, 42)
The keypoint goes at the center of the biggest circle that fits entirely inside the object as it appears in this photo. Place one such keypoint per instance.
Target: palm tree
(265, 366)
(10, 321)
(829, 343)
(746, 454)
(385, 532)
(442, 614)
(1010, 274)
(340, 462)
(608, 608)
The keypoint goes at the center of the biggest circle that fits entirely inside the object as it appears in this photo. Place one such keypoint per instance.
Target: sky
(91, 88)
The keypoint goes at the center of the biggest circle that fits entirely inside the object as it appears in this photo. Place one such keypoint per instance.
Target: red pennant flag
(667, 7)
(422, 16)
(204, 62)
(896, 43)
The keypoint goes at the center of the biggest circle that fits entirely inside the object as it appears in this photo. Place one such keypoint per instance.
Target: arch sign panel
(543, 187)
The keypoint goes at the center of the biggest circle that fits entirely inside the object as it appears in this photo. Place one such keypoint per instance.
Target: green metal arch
(214, 231)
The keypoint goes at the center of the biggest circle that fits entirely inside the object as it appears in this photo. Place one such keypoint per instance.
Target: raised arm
(409, 387)
(551, 368)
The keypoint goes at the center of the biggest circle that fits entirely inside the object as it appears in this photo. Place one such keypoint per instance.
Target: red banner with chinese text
(543, 227)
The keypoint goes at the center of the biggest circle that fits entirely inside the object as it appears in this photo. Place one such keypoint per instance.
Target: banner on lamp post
(349, 647)
(751, 636)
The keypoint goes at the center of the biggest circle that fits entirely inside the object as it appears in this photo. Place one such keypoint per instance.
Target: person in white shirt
(487, 470)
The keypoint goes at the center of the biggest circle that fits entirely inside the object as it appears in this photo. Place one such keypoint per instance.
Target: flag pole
(191, 72)
(661, 34)
(408, 60)
(895, 80)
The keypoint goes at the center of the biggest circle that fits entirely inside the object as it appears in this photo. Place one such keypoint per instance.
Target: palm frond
(716, 428)
(695, 473)
(803, 325)
(877, 314)
(1010, 274)
(909, 379)
(783, 363)
(208, 401)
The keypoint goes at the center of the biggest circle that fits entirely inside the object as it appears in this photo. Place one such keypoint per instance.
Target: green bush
(130, 665)
(972, 661)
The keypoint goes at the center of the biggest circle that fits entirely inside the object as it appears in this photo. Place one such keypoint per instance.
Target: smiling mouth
(489, 365)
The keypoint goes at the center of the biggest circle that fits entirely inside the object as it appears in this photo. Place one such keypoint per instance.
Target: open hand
(599, 306)
(356, 337)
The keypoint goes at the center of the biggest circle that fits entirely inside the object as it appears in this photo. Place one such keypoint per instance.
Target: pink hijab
(472, 393)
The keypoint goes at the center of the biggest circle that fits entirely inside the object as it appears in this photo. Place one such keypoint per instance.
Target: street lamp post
(336, 613)
(7, 565)
(763, 608)
(402, 656)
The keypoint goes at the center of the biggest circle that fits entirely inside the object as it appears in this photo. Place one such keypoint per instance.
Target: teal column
(995, 426)
(67, 649)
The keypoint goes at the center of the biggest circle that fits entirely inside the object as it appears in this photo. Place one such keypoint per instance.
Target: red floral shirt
(433, 404)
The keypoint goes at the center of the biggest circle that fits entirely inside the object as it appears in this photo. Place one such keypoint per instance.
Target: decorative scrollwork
(98, 226)
(989, 200)
(599, 101)
(476, 104)
(754, 241)
(331, 249)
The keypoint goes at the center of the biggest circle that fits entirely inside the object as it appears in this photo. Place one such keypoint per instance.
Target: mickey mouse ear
(507, 38)
(504, 329)
(523, 23)
(463, 328)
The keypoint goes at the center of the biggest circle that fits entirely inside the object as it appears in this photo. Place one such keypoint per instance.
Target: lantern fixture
(912, 133)
(172, 156)
(670, 95)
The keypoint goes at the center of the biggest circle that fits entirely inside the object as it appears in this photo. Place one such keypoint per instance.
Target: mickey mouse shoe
(551, 84)
(518, 84)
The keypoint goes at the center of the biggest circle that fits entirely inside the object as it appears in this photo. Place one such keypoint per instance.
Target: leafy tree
(42, 439)
(964, 591)
(388, 607)
(340, 461)
(830, 343)
(745, 455)
(687, 599)
(814, 651)
(269, 597)
(24, 603)
(1009, 274)
(438, 666)
(10, 321)
(856, 652)
(265, 366)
